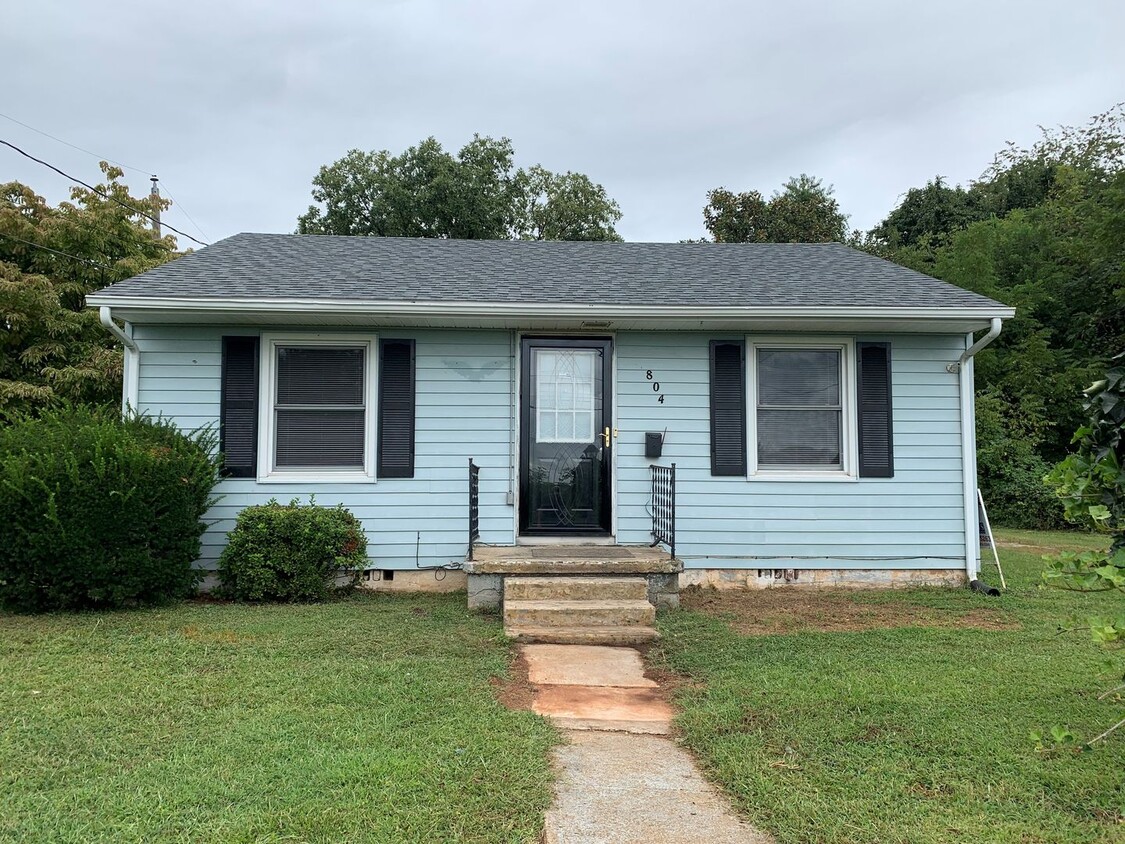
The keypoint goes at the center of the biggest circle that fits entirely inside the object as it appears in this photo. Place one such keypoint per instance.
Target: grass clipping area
(904, 716)
(368, 719)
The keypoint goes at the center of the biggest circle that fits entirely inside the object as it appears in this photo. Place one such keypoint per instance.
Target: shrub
(292, 552)
(97, 511)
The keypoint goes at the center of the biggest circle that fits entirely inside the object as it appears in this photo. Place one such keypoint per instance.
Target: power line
(55, 251)
(75, 146)
(184, 211)
(175, 204)
(101, 193)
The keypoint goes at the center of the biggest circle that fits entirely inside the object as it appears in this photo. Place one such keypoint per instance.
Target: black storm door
(565, 436)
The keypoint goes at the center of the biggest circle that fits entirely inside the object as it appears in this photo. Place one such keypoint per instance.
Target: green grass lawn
(912, 734)
(369, 719)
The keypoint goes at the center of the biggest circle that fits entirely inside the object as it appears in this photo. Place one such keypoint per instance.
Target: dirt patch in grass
(772, 611)
(517, 692)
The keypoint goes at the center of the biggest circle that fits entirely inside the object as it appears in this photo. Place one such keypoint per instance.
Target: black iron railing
(664, 506)
(474, 505)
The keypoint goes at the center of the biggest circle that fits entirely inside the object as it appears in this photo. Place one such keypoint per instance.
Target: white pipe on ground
(963, 366)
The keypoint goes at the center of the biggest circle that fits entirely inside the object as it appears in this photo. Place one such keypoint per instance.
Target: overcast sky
(237, 104)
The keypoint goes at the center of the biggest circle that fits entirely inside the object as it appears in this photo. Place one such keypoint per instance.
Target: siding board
(913, 520)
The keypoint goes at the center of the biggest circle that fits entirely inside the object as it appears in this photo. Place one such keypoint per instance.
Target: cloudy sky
(236, 104)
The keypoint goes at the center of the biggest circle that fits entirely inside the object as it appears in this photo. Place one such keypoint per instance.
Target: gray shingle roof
(281, 266)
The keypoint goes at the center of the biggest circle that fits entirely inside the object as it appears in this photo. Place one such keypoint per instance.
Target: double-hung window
(801, 409)
(318, 416)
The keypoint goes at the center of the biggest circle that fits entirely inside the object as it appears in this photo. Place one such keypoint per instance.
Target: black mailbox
(654, 445)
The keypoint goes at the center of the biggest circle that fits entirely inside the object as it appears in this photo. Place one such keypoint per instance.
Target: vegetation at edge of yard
(912, 734)
(367, 719)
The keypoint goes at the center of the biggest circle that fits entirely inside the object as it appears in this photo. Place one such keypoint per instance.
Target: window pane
(314, 438)
(799, 438)
(319, 376)
(799, 377)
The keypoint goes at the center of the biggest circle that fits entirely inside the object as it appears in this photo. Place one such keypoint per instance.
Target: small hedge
(292, 552)
(97, 511)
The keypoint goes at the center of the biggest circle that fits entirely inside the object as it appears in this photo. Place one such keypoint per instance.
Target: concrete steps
(605, 635)
(589, 610)
(575, 588)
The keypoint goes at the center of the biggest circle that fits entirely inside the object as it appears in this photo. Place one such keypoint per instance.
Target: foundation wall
(750, 579)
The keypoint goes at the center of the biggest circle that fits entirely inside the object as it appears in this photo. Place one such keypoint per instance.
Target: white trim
(345, 307)
(268, 392)
(848, 426)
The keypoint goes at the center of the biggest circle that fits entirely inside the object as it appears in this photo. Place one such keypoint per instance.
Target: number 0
(656, 386)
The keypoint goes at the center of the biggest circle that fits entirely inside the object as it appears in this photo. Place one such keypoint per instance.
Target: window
(564, 395)
(318, 416)
(801, 409)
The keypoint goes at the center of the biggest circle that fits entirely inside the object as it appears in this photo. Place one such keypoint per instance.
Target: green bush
(292, 552)
(97, 511)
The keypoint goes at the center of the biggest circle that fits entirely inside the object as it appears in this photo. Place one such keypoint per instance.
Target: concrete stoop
(588, 610)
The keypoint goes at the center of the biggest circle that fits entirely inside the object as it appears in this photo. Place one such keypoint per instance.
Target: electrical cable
(175, 204)
(101, 193)
(56, 251)
(120, 164)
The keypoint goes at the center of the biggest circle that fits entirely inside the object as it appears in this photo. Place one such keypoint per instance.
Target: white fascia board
(353, 308)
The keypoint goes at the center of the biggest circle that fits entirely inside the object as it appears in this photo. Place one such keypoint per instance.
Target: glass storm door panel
(564, 454)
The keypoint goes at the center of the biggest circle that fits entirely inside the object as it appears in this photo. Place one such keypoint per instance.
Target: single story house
(815, 401)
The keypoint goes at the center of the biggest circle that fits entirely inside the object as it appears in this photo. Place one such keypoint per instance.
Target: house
(815, 401)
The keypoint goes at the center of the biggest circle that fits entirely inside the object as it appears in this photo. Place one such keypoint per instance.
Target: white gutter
(964, 367)
(131, 370)
(354, 307)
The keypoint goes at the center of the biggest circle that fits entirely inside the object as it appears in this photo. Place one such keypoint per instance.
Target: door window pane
(564, 395)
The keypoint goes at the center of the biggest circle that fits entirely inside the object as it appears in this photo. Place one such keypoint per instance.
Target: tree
(1091, 484)
(477, 194)
(805, 211)
(50, 258)
(1043, 229)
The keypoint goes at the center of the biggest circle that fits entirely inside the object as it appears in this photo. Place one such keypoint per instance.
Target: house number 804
(655, 385)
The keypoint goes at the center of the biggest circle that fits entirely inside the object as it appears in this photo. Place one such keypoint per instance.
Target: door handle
(605, 436)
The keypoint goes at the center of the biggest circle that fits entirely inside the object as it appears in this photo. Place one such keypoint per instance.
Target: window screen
(319, 408)
(799, 410)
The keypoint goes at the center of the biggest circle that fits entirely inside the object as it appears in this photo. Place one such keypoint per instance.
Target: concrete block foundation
(753, 579)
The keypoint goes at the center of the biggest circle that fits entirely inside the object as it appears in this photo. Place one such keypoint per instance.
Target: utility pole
(155, 195)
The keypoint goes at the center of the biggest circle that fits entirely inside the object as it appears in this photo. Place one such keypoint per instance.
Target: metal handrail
(664, 506)
(474, 505)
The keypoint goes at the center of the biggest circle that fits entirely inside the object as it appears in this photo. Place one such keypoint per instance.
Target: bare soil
(773, 611)
(517, 692)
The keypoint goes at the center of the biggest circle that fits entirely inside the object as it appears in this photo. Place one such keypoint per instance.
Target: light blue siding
(914, 520)
(462, 412)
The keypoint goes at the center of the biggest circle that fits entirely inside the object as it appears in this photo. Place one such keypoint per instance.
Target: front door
(565, 424)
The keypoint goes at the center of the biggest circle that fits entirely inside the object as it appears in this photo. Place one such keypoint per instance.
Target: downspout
(131, 370)
(963, 366)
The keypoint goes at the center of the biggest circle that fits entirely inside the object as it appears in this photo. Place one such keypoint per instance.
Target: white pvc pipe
(131, 370)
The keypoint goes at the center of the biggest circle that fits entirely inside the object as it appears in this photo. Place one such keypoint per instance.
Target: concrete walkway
(621, 780)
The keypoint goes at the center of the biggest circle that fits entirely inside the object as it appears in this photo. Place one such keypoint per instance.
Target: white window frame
(849, 444)
(267, 473)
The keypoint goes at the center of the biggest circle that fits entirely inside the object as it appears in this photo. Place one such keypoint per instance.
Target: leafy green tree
(477, 194)
(50, 258)
(805, 211)
(1091, 484)
(1048, 238)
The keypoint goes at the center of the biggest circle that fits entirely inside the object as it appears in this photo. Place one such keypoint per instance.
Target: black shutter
(396, 409)
(728, 409)
(238, 407)
(876, 439)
